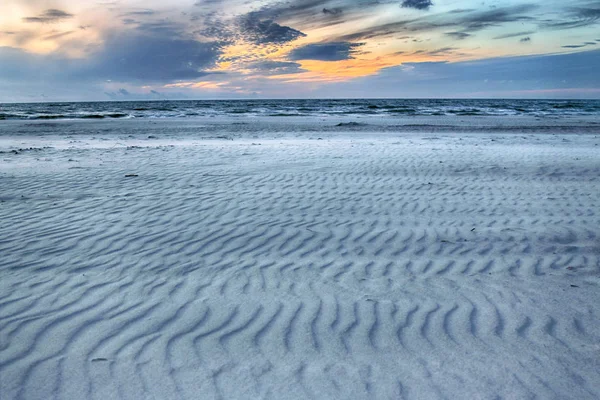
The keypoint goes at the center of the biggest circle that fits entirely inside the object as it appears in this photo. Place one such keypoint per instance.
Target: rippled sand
(379, 263)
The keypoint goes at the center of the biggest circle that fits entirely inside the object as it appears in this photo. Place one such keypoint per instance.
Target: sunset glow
(190, 50)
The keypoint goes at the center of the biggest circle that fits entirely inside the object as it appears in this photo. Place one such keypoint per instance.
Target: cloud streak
(576, 17)
(336, 51)
(465, 22)
(269, 67)
(514, 34)
(49, 16)
(265, 31)
(417, 4)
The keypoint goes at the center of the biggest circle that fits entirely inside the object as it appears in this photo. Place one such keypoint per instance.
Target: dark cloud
(418, 4)
(458, 35)
(481, 20)
(575, 17)
(461, 10)
(152, 59)
(335, 51)
(526, 39)
(314, 14)
(219, 30)
(49, 16)
(377, 31)
(202, 3)
(297, 10)
(125, 57)
(441, 52)
(260, 31)
(332, 11)
(268, 67)
(515, 34)
(138, 13)
(577, 46)
(466, 22)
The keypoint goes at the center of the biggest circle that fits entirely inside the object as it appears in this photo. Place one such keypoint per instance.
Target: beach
(300, 257)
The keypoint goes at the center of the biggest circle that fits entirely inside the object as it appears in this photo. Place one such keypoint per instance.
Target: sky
(80, 50)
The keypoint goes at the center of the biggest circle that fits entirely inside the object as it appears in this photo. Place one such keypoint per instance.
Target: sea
(304, 107)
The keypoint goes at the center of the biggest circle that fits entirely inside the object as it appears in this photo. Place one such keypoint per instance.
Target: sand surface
(291, 260)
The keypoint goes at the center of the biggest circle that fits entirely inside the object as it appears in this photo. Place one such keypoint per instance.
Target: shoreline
(333, 124)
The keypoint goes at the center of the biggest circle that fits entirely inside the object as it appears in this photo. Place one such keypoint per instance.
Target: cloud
(159, 47)
(298, 10)
(314, 14)
(59, 35)
(441, 52)
(259, 31)
(49, 16)
(465, 22)
(515, 34)
(335, 51)
(481, 20)
(418, 4)
(128, 56)
(17, 64)
(577, 46)
(124, 94)
(444, 51)
(461, 10)
(138, 13)
(576, 17)
(458, 35)
(495, 77)
(332, 11)
(146, 58)
(269, 67)
(163, 28)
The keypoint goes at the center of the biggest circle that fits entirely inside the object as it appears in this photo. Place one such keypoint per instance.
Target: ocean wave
(80, 116)
(393, 108)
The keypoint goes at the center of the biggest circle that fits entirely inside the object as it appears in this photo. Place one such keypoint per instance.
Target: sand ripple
(411, 268)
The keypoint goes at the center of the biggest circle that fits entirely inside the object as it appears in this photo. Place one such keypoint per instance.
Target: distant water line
(307, 107)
